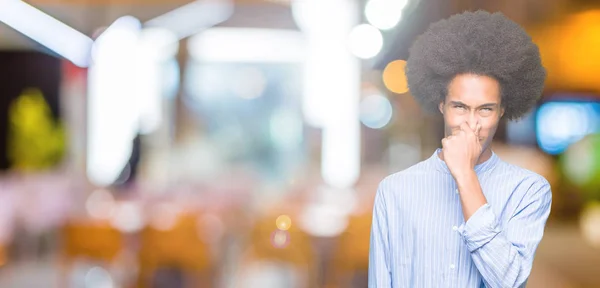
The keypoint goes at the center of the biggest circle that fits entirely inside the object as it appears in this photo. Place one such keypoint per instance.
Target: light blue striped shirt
(419, 237)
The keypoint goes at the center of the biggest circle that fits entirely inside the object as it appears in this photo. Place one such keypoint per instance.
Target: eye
(486, 111)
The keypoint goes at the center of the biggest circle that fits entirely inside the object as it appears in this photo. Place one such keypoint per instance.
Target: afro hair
(479, 43)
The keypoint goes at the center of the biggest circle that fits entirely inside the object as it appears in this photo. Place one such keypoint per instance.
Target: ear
(441, 107)
(502, 110)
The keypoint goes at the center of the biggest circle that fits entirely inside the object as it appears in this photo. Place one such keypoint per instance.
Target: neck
(485, 155)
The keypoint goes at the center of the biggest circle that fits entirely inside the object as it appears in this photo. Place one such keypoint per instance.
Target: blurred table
(565, 260)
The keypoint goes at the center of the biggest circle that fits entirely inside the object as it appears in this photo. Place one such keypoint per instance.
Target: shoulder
(529, 182)
(395, 182)
(506, 169)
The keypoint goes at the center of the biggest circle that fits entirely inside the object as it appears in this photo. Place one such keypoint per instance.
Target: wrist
(464, 175)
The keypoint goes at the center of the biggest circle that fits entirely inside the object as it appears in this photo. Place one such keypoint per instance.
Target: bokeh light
(384, 14)
(375, 111)
(365, 41)
(164, 216)
(283, 222)
(280, 239)
(324, 219)
(128, 217)
(100, 204)
(98, 277)
(345, 201)
(559, 124)
(590, 224)
(581, 163)
(394, 77)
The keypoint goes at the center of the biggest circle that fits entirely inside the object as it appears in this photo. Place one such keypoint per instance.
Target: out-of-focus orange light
(568, 50)
(283, 222)
(394, 77)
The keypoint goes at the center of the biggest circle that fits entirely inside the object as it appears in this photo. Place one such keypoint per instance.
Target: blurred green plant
(581, 166)
(35, 140)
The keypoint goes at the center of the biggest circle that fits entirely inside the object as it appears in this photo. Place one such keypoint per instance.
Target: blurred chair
(178, 250)
(350, 262)
(3, 256)
(96, 241)
(278, 258)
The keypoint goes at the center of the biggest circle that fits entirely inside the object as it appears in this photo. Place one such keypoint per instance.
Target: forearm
(503, 253)
(500, 263)
(496, 258)
(499, 260)
(471, 194)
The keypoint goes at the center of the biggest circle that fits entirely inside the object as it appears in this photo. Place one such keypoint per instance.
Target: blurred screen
(560, 123)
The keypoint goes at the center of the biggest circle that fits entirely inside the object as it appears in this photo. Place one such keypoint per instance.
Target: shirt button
(452, 266)
(454, 228)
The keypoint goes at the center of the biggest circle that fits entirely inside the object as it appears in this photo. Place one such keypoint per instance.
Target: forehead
(474, 89)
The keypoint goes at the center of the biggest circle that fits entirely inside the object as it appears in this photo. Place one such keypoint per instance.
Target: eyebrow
(458, 103)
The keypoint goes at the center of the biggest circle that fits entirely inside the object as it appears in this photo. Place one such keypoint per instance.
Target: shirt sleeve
(379, 260)
(504, 256)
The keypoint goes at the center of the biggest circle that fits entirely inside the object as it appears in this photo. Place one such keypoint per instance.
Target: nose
(472, 120)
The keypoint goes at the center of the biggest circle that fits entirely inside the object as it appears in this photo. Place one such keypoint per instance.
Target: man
(463, 217)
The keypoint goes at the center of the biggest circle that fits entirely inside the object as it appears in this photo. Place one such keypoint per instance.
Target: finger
(459, 134)
(455, 132)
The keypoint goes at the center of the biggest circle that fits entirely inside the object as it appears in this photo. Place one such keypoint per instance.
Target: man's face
(473, 99)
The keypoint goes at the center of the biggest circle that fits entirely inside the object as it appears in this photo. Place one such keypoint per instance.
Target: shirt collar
(440, 165)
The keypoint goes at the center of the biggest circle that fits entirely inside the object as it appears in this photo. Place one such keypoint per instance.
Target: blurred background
(239, 143)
